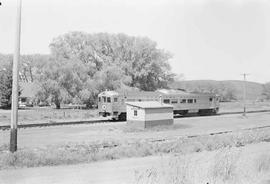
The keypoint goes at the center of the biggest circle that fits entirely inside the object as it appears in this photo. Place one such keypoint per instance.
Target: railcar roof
(173, 92)
(149, 104)
(154, 93)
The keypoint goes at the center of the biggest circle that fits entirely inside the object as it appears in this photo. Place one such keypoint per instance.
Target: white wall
(140, 113)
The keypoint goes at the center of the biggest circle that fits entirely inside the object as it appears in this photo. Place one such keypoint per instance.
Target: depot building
(149, 114)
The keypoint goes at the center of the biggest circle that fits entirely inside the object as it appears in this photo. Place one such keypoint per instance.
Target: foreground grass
(91, 152)
(225, 166)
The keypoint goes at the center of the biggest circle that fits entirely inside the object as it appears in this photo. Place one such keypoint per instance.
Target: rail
(33, 125)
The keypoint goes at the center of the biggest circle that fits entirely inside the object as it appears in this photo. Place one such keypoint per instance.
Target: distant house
(28, 92)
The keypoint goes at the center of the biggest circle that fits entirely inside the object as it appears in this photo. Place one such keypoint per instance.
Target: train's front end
(107, 104)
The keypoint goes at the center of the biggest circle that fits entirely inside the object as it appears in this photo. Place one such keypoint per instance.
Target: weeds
(263, 163)
(109, 150)
(225, 165)
(176, 171)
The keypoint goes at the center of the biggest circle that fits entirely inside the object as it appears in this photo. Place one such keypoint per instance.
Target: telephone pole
(15, 79)
(244, 93)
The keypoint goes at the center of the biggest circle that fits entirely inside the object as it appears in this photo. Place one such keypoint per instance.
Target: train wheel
(122, 117)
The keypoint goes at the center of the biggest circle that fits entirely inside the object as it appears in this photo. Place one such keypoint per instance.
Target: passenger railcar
(113, 103)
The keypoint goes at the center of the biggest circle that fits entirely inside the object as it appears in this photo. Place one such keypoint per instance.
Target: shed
(148, 114)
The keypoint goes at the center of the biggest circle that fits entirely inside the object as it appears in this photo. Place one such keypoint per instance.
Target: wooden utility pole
(15, 79)
(244, 93)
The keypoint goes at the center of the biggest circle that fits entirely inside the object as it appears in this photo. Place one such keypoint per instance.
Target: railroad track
(33, 125)
(162, 140)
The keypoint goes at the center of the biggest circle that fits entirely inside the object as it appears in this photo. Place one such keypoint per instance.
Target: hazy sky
(209, 39)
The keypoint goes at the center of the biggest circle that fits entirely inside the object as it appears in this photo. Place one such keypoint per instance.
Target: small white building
(148, 114)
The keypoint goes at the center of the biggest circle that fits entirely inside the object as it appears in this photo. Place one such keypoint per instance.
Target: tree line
(81, 65)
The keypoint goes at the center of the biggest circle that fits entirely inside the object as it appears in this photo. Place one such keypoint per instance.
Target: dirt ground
(119, 131)
(197, 166)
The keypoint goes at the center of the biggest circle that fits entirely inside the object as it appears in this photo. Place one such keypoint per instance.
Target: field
(145, 156)
(50, 115)
(150, 156)
(237, 106)
(47, 115)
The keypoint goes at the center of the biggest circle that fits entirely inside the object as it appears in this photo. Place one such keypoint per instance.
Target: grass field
(238, 106)
(46, 114)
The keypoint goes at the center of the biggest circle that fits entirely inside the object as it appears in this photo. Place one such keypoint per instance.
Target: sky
(209, 39)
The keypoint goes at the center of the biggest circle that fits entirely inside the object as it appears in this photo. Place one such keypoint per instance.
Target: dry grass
(47, 115)
(223, 167)
(89, 152)
(177, 170)
(263, 163)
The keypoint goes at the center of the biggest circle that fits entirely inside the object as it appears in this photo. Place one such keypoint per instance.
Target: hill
(228, 89)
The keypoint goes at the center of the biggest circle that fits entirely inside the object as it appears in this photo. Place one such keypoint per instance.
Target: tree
(61, 81)
(6, 85)
(138, 58)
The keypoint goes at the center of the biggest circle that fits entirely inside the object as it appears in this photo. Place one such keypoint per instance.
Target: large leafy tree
(84, 64)
(61, 81)
(137, 58)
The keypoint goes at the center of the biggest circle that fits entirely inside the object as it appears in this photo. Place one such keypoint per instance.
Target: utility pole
(244, 93)
(15, 79)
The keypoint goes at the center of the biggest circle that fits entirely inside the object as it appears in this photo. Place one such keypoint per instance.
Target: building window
(109, 99)
(183, 101)
(190, 100)
(104, 99)
(135, 112)
(210, 99)
(174, 101)
(166, 101)
(115, 99)
(195, 101)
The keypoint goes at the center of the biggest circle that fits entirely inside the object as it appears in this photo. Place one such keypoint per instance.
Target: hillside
(232, 89)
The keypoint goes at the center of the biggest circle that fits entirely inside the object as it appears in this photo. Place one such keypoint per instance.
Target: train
(112, 104)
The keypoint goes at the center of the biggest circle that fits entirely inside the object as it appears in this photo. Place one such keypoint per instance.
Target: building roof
(109, 93)
(149, 104)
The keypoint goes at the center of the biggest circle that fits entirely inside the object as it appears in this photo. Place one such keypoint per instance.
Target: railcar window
(183, 101)
(195, 100)
(109, 99)
(99, 99)
(174, 101)
(210, 99)
(190, 100)
(135, 112)
(115, 99)
(166, 101)
(104, 99)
